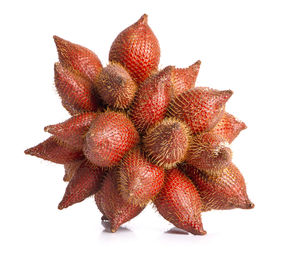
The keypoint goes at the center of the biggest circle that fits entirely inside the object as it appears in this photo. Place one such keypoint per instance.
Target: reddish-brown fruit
(226, 190)
(76, 92)
(145, 128)
(82, 60)
(139, 180)
(152, 100)
(115, 86)
(229, 127)
(112, 205)
(209, 152)
(53, 151)
(179, 202)
(73, 130)
(85, 182)
(70, 169)
(167, 143)
(137, 49)
(111, 135)
(184, 79)
(200, 108)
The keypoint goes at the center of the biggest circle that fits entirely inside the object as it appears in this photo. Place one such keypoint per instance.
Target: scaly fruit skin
(76, 92)
(144, 128)
(229, 127)
(179, 202)
(167, 142)
(82, 60)
(200, 108)
(112, 205)
(111, 135)
(184, 79)
(139, 180)
(152, 100)
(73, 130)
(223, 191)
(55, 152)
(115, 86)
(209, 152)
(137, 49)
(85, 182)
(71, 168)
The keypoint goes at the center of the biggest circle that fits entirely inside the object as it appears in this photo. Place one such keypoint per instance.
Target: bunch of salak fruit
(140, 135)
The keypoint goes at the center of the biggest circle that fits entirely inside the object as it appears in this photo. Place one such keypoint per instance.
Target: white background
(251, 47)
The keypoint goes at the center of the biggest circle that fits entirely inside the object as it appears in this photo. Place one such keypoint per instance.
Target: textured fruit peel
(139, 134)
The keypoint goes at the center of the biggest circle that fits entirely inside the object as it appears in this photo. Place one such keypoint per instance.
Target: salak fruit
(139, 134)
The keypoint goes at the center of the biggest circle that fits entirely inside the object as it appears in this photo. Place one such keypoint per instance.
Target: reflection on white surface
(106, 229)
(176, 231)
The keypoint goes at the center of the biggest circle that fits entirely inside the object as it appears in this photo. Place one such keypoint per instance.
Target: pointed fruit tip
(247, 205)
(57, 40)
(202, 232)
(199, 231)
(47, 129)
(30, 151)
(226, 94)
(197, 64)
(61, 206)
(113, 229)
(243, 126)
(143, 20)
(250, 205)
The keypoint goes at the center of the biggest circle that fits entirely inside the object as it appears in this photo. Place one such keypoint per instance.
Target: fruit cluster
(139, 134)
